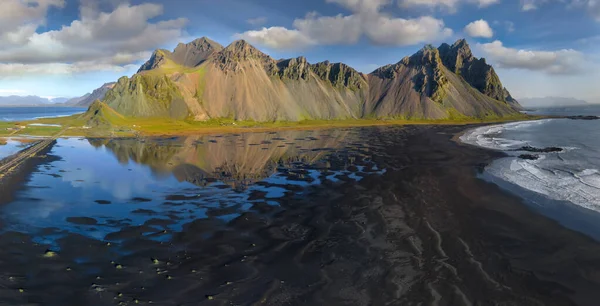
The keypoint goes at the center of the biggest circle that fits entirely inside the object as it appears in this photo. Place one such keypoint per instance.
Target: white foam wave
(487, 136)
(581, 188)
(557, 178)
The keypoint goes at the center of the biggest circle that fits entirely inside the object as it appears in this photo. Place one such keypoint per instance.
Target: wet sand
(425, 232)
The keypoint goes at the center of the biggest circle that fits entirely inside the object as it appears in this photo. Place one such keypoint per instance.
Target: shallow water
(11, 147)
(30, 113)
(97, 188)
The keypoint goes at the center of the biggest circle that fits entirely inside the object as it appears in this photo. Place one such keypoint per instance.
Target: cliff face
(459, 59)
(243, 83)
(424, 86)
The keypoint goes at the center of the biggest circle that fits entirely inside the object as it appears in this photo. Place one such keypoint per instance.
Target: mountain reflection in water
(237, 160)
(101, 188)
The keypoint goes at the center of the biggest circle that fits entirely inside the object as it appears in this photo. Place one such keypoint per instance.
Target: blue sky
(70, 47)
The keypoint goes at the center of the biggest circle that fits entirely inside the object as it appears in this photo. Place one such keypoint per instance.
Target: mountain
(188, 55)
(202, 80)
(30, 101)
(551, 102)
(58, 100)
(87, 99)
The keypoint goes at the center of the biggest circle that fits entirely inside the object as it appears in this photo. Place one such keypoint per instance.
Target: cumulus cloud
(479, 28)
(328, 30)
(98, 40)
(366, 20)
(448, 5)
(16, 13)
(565, 61)
(402, 32)
(277, 38)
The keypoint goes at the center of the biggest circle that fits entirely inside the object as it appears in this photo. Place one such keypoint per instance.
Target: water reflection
(110, 188)
(11, 146)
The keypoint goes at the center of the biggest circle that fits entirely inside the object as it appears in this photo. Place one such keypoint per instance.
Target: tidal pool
(100, 188)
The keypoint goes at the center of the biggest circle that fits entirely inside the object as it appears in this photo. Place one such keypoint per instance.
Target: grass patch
(117, 125)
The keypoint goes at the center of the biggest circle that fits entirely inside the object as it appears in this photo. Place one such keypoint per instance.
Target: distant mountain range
(551, 102)
(30, 101)
(83, 101)
(203, 80)
(87, 99)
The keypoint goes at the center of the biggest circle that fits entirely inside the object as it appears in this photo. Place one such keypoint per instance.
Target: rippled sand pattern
(370, 216)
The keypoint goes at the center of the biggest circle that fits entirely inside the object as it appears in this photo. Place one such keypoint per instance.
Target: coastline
(428, 229)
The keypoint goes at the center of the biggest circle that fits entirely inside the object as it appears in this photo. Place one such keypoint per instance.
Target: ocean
(30, 113)
(564, 185)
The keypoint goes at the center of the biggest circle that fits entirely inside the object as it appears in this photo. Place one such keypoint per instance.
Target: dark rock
(540, 150)
(583, 117)
(82, 220)
(529, 156)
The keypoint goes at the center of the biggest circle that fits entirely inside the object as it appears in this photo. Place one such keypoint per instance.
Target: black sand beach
(425, 232)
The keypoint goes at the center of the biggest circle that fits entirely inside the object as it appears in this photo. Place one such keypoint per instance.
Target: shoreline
(426, 229)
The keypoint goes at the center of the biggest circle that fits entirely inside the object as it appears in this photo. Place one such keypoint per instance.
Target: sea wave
(488, 136)
(561, 176)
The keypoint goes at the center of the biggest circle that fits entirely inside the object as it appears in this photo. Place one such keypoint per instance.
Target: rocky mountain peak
(427, 55)
(339, 75)
(294, 68)
(158, 58)
(191, 54)
(454, 57)
(195, 52)
(202, 44)
(240, 51)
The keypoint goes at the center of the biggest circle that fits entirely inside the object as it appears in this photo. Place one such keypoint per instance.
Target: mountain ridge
(31, 101)
(87, 99)
(202, 80)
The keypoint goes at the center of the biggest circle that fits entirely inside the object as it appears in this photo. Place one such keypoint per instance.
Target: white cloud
(448, 5)
(334, 30)
(530, 5)
(277, 38)
(366, 21)
(565, 61)
(592, 7)
(99, 40)
(257, 21)
(17, 13)
(361, 6)
(402, 32)
(15, 70)
(479, 28)
(486, 3)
